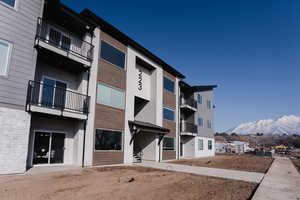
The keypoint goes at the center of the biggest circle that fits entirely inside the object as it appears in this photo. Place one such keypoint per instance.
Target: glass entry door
(48, 148)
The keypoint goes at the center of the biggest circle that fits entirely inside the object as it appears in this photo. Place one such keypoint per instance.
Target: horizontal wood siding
(107, 117)
(171, 126)
(108, 157)
(169, 99)
(19, 28)
(111, 75)
(168, 155)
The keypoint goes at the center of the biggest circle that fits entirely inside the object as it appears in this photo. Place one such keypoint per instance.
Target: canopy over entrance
(137, 126)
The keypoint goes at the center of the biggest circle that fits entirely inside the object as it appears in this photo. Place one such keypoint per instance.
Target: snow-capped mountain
(288, 124)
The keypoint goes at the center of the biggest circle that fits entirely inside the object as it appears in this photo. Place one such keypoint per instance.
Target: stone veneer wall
(14, 137)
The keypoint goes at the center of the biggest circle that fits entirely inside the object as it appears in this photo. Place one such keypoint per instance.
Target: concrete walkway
(281, 182)
(219, 173)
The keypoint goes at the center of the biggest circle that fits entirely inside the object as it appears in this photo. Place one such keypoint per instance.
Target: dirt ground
(297, 164)
(236, 162)
(126, 183)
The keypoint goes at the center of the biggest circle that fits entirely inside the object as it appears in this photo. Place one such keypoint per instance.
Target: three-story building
(77, 91)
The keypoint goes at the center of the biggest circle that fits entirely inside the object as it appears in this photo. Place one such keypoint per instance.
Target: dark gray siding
(18, 26)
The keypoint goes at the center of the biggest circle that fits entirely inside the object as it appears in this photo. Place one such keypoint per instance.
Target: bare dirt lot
(126, 183)
(297, 164)
(235, 162)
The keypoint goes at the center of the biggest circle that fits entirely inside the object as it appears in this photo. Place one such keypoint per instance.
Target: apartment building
(196, 121)
(74, 90)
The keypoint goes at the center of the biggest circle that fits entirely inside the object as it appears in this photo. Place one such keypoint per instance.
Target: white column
(89, 137)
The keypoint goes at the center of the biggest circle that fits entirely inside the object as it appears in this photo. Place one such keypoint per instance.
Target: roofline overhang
(127, 41)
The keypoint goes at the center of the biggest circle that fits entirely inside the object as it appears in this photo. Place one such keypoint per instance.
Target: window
(208, 104)
(209, 124)
(169, 114)
(57, 38)
(169, 143)
(112, 55)
(5, 49)
(209, 145)
(108, 140)
(200, 122)
(200, 144)
(199, 99)
(110, 97)
(11, 3)
(169, 85)
(53, 93)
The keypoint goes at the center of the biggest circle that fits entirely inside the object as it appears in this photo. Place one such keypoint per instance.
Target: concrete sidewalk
(213, 172)
(281, 182)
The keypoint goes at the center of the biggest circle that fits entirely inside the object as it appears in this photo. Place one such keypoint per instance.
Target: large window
(200, 144)
(5, 49)
(111, 97)
(199, 99)
(169, 85)
(108, 140)
(200, 122)
(209, 145)
(209, 124)
(11, 3)
(169, 143)
(169, 114)
(112, 55)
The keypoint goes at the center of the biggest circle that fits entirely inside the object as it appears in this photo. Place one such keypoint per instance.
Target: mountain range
(287, 124)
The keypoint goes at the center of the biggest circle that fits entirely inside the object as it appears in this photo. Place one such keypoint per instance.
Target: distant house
(239, 147)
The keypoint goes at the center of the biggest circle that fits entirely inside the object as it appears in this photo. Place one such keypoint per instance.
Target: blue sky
(251, 49)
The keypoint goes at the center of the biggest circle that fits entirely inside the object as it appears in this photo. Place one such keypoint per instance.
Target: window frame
(164, 107)
(15, 7)
(104, 129)
(209, 144)
(112, 45)
(202, 149)
(209, 104)
(199, 97)
(8, 57)
(174, 145)
(202, 120)
(173, 92)
(209, 124)
(114, 88)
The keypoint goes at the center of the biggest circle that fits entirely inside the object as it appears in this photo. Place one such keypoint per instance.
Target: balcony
(50, 99)
(63, 42)
(188, 129)
(188, 104)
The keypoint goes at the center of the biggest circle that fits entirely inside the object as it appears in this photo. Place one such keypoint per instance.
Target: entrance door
(57, 148)
(41, 148)
(48, 148)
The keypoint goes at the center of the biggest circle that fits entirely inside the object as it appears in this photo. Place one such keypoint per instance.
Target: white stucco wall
(205, 152)
(14, 137)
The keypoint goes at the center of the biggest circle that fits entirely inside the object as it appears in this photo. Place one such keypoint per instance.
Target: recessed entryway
(49, 148)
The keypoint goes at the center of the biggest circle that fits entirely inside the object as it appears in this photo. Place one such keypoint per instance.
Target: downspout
(178, 124)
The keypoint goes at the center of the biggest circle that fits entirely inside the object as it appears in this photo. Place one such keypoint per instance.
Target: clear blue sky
(250, 48)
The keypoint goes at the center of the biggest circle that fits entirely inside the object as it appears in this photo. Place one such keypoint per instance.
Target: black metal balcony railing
(62, 39)
(188, 127)
(189, 102)
(53, 97)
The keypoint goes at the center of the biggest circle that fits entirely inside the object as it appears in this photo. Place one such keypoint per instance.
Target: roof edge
(123, 38)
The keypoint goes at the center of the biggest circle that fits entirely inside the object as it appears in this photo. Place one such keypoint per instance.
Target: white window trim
(171, 110)
(202, 144)
(15, 8)
(8, 58)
